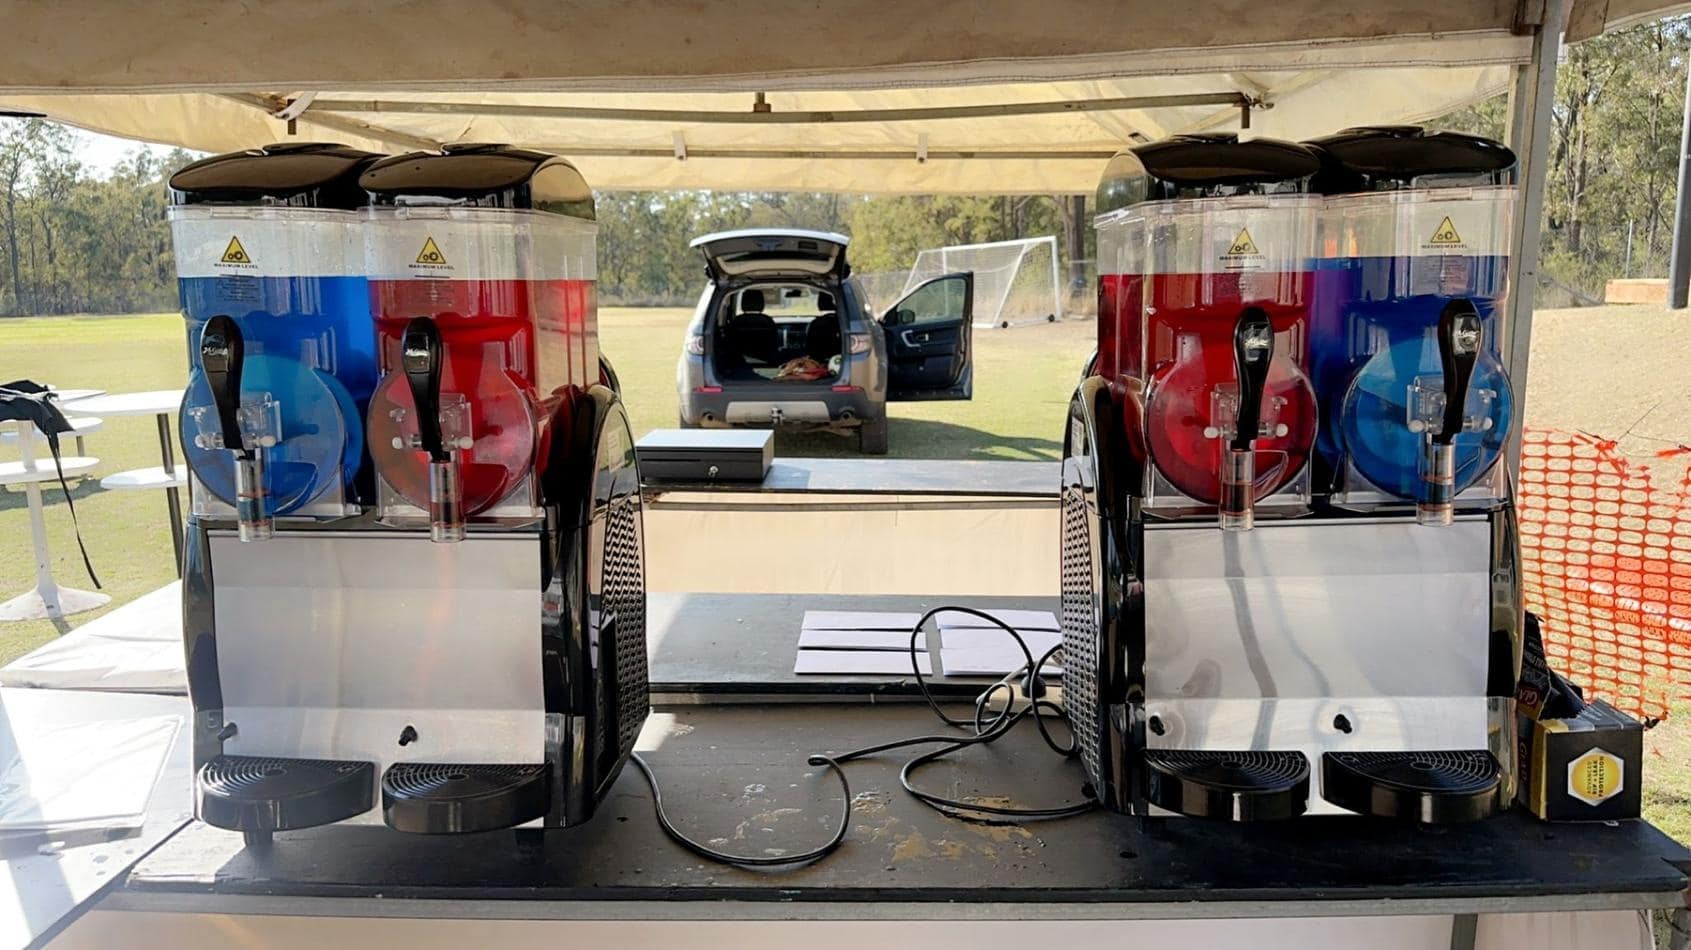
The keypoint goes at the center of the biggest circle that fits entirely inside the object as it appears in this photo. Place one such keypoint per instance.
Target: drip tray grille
(436, 798)
(265, 793)
(1443, 786)
(1234, 786)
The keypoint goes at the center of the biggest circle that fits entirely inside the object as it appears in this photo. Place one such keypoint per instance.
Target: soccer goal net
(1015, 281)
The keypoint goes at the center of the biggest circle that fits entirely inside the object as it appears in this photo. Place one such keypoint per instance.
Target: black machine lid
(481, 176)
(291, 174)
(1207, 165)
(1394, 157)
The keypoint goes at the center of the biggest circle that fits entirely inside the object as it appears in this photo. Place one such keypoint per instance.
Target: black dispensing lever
(222, 357)
(1253, 351)
(1460, 336)
(420, 357)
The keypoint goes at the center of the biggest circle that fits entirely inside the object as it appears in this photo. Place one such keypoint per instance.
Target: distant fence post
(1679, 272)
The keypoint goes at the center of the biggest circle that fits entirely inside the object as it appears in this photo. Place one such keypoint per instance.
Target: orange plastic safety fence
(1607, 568)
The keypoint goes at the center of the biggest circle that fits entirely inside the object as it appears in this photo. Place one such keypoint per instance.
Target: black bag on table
(24, 400)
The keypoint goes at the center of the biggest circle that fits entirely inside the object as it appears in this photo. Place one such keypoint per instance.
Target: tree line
(78, 242)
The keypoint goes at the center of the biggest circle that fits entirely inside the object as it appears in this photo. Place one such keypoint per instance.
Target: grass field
(1615, 371)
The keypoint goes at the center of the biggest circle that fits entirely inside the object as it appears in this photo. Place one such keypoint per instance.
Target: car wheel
(872, 436)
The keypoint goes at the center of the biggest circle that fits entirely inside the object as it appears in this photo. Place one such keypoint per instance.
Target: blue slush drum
(320, 439)
(1375, 420)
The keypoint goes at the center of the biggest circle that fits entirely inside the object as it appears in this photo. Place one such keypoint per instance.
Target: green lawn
(1023, 378)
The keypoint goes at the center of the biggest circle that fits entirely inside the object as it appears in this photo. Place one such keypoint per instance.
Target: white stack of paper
(852, 642)
(973, 646)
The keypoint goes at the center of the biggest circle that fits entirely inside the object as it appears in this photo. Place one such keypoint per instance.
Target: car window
(939, 301)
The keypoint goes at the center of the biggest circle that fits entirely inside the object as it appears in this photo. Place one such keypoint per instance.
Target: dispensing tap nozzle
(222, 355)
(420, 358)
(1253, 351)
(1460, 335)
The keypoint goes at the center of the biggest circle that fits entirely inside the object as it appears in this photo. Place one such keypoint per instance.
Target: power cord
(982, 730)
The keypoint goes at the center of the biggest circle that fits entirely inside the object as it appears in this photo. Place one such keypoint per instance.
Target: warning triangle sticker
(1243, 246)
(1446, 233)
(430, 254)
(235, 253)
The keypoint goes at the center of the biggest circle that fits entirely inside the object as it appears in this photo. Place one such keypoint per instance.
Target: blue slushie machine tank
(281, 347)
(1413, 248)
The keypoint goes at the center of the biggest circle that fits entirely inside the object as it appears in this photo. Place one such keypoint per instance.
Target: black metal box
(706, 455)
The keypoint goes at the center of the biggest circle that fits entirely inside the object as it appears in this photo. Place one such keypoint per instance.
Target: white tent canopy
(870, 96)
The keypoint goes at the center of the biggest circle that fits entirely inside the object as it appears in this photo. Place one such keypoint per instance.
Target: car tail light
(848, 389)
(859, 343)
(695, 345)
(708, 389)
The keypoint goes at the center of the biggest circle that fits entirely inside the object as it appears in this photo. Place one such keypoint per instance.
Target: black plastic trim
(265, 794)
(1434, 787)
(431, 798)
(1232, 786)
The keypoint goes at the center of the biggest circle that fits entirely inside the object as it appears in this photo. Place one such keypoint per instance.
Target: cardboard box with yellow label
(1587, 767)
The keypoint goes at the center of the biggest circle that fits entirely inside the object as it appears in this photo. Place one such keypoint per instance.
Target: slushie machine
(1288, 552)
(414, 589)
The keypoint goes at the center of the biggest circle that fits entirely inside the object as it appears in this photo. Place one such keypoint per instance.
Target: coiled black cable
(981, 731)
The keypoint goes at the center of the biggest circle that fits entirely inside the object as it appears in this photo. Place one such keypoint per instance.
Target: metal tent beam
(1529, 136)
(911, 155)
(280, 108)
(757, 116)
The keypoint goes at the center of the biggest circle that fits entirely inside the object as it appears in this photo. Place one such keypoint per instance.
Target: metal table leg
(173, 495)
(1464, 930)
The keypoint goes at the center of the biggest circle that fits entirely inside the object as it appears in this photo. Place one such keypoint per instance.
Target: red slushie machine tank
(482, 286)
(1205, 306)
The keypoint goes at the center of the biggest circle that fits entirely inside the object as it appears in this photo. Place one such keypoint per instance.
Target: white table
(159, 403)
(79, 428)
(71, 395)
(46, 600)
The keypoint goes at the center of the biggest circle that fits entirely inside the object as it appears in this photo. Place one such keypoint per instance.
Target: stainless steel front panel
(1261, 639)
(330, 644)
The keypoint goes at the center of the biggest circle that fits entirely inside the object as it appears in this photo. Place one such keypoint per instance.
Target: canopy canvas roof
(858, 95)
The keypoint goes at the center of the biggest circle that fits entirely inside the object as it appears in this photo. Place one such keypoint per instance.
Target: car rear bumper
(815, 409)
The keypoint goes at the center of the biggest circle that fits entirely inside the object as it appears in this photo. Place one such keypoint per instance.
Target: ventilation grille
(624, 596)
(1080, 593)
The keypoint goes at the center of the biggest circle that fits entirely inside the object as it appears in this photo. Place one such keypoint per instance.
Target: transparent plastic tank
(510, 294)
(1214, 264)
(269, 239)
(1429, 235)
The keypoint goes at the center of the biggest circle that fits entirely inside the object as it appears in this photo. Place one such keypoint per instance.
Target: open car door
(928, 333)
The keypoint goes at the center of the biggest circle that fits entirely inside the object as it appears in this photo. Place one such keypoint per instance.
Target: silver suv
(784, 336)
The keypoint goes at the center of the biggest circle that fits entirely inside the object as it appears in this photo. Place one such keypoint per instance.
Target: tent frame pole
(1529, 135)
(365, 107)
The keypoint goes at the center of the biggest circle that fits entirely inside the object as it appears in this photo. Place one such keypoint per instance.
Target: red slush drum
(495, 246)
(1209, 259)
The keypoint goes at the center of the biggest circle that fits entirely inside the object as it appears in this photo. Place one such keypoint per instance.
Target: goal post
(1016, 282)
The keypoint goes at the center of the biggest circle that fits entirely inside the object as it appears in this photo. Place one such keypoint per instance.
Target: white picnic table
(46, 600)
(159, 403)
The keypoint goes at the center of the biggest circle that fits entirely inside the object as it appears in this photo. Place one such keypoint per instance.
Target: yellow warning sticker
(1596, 776)
(1243, 246)
(1445, 235)
(430, 254)
(235, 253)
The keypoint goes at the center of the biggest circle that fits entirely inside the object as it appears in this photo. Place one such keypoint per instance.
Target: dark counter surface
(735, 777)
